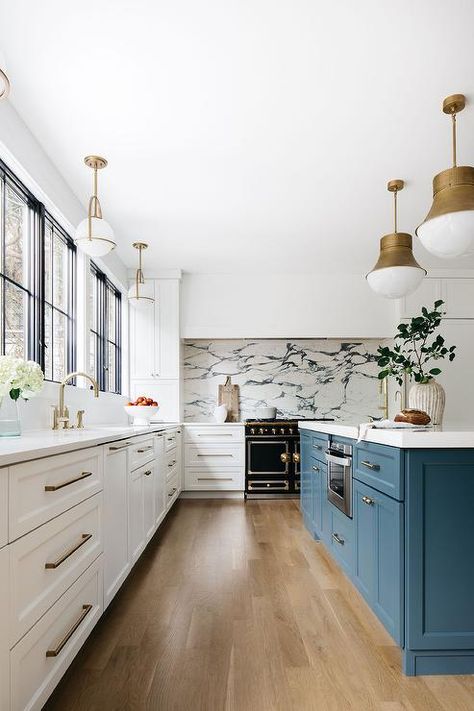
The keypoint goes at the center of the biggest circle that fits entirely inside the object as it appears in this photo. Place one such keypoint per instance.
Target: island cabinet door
(306, 495)
(318, 472)
(378, 569)
(439, 538)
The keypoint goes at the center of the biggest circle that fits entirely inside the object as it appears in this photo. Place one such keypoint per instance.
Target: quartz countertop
(404, 439)
(44, 443)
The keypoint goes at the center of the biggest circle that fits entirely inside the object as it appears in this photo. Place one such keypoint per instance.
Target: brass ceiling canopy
(396, 273)
(453, 192)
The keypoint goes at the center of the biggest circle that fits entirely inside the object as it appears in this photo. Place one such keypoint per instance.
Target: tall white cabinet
(155, 348)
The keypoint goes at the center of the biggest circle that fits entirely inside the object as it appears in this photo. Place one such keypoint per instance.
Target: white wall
(24, 155)
(282, 306)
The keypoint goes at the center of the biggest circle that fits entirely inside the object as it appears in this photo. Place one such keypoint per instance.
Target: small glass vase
(10, 425)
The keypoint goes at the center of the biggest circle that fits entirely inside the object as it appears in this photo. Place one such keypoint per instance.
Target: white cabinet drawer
(172, 490)
(40, 659)
(214, 456)
(45, 488)
(170, 440)
(214, 434)
(47, 561)
(223, 480)
(171, 465)
(3, 507)
(141, 452)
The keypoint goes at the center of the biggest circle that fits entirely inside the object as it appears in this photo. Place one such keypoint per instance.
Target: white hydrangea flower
(23, 376)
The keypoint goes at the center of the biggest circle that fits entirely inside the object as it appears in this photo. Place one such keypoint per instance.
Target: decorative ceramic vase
(10, 425)
(220, 413)
(429, 397)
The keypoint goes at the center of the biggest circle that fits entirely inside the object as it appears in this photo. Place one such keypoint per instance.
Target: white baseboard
(211, 495)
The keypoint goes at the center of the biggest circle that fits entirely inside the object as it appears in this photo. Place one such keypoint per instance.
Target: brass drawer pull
(115, 447)
(54, 652)
(367, 500)
(55, 487)
(171, 439)
(210, 454)
(214, 478)
(172, 463)
(145, 449)
(338, 539)
(84, 538)
(315, 468)
(369, 465)
(317, 446)
(216, 434)
(170, 493)
(147, 473)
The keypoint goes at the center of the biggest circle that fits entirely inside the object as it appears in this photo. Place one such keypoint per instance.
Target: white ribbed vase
(429, 397)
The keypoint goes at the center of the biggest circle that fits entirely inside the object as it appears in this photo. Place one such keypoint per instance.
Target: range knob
(290, 430)
(261, 430)
(252, 430)
(274, 431)
(282, 430)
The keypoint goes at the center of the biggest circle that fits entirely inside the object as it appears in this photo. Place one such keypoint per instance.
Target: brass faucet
(61, 412)
(383, 390)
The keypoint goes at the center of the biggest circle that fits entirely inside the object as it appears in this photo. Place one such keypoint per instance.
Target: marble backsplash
(301, 378)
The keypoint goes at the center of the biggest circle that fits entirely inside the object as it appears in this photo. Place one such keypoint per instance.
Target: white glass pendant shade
(395, 282)
(4, 80)
(141, 296)
(101, 242)
(450, 235)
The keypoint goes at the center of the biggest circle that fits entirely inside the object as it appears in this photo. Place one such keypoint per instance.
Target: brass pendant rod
(395, 192)
(453, 115)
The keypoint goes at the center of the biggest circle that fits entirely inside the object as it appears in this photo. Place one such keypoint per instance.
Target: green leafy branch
(413, 352)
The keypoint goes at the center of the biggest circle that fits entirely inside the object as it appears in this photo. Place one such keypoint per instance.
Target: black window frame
(35, 317)
(106, 290)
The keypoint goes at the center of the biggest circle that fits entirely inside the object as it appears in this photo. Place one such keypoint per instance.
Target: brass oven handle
(285, 457)
(315, 468)
(55, 487)
(145, 449)
(147, 473)
(54, 652)
(369, 465)
(367, 500)
(296, 457)
(338, 539)
(55, 564)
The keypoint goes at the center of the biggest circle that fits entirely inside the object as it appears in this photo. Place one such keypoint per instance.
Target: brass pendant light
(396, 273)
(94, 235)
(140, 293)
(448, 229)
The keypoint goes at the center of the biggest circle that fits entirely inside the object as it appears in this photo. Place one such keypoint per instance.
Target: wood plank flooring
(234, 607)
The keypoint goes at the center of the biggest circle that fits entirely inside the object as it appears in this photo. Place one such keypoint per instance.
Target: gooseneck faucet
(61, 412)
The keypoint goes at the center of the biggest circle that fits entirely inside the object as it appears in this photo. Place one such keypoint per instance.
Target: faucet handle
(54, 417)
(80, 419)
(63, 423)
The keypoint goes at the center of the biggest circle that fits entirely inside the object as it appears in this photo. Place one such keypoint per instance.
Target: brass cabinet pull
(369, 465)
(84, 538)
(55, 487)
(367, 500)
(54, 652)
(315, 468)
(317, 446)
(170, 493)
(285, 458)
(214, 478)
(115, 447)
(147, 473)
(338, 539)
(172, 463)
(145, 449)
(171, 439)
(211, 454)
(296, 457)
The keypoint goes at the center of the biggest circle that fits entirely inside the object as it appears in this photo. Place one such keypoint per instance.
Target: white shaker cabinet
(149, 521)
(116, 558)
(136, 514)
(160, 477)
(4, 609)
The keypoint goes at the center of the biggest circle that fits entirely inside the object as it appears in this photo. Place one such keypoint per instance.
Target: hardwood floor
(234, 607)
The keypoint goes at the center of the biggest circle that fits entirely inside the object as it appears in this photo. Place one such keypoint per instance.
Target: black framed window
(37, 281)
(20, 287)
(105, 352)
(59, 301)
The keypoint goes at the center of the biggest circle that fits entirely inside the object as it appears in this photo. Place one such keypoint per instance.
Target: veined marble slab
(301, 378)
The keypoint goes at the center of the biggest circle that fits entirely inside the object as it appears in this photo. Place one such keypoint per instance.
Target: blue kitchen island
(406, 540)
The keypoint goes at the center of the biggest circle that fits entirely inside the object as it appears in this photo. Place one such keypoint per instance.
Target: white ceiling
(247, 135)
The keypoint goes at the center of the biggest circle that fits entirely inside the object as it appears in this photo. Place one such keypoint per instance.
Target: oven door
(269, 457)
(339, 483)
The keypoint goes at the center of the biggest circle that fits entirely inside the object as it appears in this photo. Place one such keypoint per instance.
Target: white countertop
(404, 439)
(44, 443)
(212, 424)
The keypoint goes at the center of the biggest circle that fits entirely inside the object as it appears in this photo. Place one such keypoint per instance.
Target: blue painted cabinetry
(408, 547)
